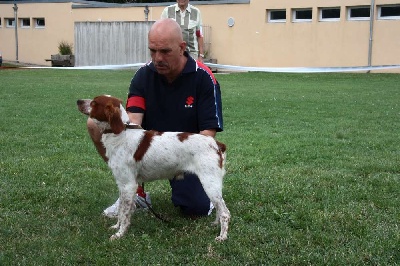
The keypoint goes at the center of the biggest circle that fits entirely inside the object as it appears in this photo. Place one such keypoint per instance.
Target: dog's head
(106, 111)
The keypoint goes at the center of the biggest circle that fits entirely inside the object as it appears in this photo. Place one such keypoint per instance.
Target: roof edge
(96, 4)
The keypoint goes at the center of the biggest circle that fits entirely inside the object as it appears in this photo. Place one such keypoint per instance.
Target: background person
(189, 19)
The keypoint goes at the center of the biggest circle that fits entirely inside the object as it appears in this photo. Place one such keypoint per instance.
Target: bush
(65, 48)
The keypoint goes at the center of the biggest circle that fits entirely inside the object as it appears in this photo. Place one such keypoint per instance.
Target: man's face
(182, 2)
(165, 54)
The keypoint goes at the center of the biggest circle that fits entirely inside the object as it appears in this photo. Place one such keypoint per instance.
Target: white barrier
(248, 69)
(301, 69)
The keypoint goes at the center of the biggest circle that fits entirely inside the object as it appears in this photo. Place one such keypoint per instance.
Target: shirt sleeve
(136, 102)
(210, 105)
(164, 14)
(199, 27)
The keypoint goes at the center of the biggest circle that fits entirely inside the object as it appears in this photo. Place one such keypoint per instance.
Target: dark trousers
(189, 195)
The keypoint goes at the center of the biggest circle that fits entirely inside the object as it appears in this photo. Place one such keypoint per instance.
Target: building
(258, 33)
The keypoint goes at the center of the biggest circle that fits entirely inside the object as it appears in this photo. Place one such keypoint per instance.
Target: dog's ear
(113, 115)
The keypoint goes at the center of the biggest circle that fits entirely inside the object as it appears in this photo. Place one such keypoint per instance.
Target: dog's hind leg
(125, 210)
(223, 215)
(212, 185)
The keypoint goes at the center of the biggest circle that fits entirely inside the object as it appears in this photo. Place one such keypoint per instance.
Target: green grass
(312, 175)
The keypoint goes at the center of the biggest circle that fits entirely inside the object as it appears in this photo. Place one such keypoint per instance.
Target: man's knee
(189, 195)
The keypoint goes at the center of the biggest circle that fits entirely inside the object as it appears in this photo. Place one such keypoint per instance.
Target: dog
(136, 155)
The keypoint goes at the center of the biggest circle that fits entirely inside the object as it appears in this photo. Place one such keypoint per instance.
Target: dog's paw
(115, 226)
(215, 223)
(115, 236)
(221, 238)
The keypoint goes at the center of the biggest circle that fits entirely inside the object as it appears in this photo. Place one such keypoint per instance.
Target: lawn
(313, 174)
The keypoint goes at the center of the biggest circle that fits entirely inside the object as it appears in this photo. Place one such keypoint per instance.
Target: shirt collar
(188, 9)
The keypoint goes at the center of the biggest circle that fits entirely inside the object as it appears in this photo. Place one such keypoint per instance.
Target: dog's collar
(127, 126)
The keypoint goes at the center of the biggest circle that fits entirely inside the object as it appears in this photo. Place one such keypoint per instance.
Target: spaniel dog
(136, 155)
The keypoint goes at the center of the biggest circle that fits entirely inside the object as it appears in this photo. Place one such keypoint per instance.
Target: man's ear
(183, 47)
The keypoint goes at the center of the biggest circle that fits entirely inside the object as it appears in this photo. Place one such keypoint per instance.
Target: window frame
(350, 18)
(37, 25)
(321, 9)
(22, 23)
(269, 16)
(295, 11)
(7, 20)
(387, 17)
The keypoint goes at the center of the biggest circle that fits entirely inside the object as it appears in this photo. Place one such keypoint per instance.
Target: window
(39, 22)
(302, 15)
(276, 15)
(389, 12)
(359, 13)
(25, 22)
(10, 22)
(329, 14)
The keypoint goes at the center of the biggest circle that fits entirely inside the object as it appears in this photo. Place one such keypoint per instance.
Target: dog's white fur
(137, 155)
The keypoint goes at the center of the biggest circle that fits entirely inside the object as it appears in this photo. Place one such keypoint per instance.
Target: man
(189, 18)
(173, 93)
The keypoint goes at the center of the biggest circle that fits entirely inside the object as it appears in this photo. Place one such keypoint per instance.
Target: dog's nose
(79, 102)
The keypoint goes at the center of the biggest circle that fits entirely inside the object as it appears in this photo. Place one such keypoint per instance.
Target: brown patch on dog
(106, 108)
(221, 146)
(220, 151)
(99, 106)
(145, 143)
(184, 136)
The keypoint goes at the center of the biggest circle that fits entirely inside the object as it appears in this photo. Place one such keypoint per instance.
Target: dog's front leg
(126, 207)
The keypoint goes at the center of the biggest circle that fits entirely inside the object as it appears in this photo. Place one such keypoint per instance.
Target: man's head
(183, 4)
(167, 48)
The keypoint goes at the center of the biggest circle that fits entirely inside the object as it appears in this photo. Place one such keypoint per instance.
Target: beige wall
(250, 42)
(36, 44)
(254, 42)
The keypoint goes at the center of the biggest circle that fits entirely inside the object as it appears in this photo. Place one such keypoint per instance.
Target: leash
(154, 213)
(151, 208)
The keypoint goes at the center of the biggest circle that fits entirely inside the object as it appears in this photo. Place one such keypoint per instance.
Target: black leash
(154, 213)
(152, 210)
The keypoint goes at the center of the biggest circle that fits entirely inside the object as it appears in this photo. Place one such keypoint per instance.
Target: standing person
(189, 18)
(173, 93)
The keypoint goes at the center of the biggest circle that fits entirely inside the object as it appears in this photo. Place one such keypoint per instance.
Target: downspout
(15, 7)
(146, 13)
(371, 31)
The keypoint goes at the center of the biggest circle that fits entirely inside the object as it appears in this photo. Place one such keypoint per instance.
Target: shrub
(65, 48)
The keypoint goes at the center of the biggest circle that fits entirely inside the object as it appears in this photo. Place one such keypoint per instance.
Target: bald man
(173, 93)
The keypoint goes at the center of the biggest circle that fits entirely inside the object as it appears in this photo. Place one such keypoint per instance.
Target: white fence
(111, 43)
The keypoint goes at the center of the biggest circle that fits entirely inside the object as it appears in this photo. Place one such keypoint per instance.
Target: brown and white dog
(137, 155)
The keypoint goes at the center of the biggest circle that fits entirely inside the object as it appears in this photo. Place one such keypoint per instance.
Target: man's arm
(209, 132)
(200, 41)
(136, 118)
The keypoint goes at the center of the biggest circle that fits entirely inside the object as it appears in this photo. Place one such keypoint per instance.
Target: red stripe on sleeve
(206, 68)
(136, 101)
(199, 33)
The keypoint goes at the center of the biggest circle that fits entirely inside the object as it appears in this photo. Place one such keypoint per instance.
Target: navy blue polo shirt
(191, 103)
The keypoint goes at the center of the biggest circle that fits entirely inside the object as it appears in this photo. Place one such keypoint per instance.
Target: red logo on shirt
(189, 102)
